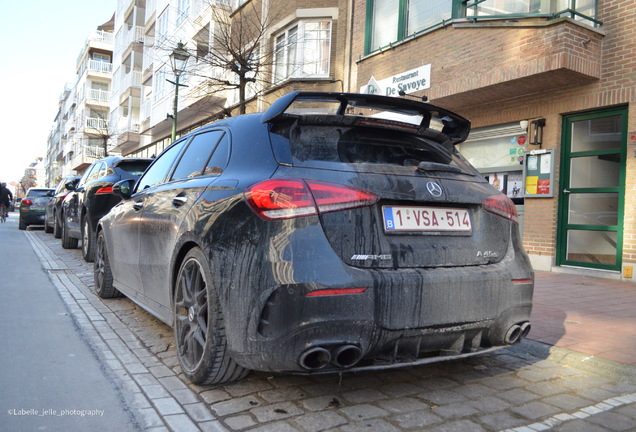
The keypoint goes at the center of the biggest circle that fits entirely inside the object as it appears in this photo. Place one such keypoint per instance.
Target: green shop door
(592, 190)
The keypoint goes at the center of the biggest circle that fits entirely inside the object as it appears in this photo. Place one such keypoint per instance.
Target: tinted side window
(157, 172)
(88, 173)
(218, 161)
(196, 155)
(95, 172)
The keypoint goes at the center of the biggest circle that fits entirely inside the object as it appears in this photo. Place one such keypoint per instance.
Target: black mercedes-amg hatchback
(333, 232)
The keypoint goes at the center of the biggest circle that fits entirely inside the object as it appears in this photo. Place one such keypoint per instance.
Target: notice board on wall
(539, 173)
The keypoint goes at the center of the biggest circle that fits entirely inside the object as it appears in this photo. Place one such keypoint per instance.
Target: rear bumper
(404, 317)
(32, 217)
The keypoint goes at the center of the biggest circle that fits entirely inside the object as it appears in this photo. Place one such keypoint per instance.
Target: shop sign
(409, 82)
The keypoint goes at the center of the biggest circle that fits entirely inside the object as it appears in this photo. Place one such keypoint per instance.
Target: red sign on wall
(543, 186)
(521, 140)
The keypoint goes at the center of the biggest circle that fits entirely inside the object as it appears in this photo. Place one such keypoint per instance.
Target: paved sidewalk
(587, 315)
(525, 388)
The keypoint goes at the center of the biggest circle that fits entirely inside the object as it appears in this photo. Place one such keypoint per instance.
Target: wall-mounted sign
(409, 81)
(538, 170)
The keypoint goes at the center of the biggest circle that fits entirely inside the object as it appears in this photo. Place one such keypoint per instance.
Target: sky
(41, 42)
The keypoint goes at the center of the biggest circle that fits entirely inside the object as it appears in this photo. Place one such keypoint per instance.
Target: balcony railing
(98, 36)
(100, 67)
(135, 34)
(95, 123)
(133, 79)
(128, 124)
(96, 95)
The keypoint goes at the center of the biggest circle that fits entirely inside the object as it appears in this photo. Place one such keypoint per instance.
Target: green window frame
(413, 17)
(419, 16)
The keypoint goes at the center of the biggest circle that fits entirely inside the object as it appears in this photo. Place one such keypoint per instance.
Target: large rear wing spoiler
(453, 125)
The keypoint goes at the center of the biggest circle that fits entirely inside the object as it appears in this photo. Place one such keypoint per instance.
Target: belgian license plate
(426, 219)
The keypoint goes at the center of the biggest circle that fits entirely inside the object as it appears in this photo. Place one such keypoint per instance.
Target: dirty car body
(32, 207)
(92, 198)
(329, 241)
(52, 221)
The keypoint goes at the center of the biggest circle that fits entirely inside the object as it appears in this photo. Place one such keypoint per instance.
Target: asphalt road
(50, 377)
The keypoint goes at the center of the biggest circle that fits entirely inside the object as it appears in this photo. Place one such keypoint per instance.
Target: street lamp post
(178, 61)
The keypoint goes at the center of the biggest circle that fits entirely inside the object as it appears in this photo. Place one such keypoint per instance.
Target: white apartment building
(146, 32)
(81, 127)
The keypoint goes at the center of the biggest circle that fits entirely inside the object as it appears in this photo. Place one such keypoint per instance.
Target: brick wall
(494, 75)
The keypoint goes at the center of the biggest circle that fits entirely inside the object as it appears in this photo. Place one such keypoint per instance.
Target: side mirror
(70, 186)
(124, 188)
(50, 193)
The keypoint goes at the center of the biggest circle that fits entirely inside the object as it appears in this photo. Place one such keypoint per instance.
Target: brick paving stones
(525, 388)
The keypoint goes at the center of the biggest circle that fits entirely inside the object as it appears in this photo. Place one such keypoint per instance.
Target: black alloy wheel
(102, 272)
(198, 326)
(88, 244)
(47, 229)
(67, 241)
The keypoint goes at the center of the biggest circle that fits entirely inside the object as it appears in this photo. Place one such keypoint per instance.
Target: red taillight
(501, 205)
(63, 196)
(333, 197)
(287, 198)
(332, 292)
(27, 202)
(104, 190)
(521, 281)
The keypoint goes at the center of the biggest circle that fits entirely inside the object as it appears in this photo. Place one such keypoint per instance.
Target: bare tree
(101, 129)
(232, 54)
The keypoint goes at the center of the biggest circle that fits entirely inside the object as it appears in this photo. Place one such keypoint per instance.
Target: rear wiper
(435, 166)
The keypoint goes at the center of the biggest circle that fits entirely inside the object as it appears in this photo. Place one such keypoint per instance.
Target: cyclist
(5, 198)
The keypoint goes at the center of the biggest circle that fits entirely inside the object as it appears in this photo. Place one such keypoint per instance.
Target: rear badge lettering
(370, 257)
(488, 254)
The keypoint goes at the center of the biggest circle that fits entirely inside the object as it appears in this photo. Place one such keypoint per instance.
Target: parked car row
(333, 232)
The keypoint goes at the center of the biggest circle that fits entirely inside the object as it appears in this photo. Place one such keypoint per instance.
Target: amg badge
(370, 257)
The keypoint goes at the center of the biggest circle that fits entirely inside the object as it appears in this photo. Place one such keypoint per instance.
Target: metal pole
(174, 108)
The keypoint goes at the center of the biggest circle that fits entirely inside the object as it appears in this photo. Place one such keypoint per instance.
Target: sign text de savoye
(409, 82)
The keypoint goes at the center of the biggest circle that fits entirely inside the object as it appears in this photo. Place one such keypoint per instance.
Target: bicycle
(3, 213)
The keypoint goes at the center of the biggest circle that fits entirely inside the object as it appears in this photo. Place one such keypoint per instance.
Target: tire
(57, 229)
(47, 229)
(101, 271)
(21, 225)
(67, 242)
(199, 330)
(88, 242)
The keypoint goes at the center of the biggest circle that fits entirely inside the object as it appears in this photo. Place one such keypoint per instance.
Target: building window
(393, 20)
(160, 83)
(303, 51)
(183, 11)
(162, 26)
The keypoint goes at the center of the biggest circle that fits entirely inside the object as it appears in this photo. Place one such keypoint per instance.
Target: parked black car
(32, 207)
(53, 210)
(313, 242)
(93, 198)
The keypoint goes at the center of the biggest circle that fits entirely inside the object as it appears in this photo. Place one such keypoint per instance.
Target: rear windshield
(368, 149)
(134, 167)
(37, 193)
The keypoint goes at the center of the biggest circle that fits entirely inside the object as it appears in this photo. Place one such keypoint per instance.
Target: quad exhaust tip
(315, 358)
(517, 332)
(346, 356)
(343, 356)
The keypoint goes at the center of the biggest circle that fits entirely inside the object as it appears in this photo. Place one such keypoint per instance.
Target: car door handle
(138, 205)
(179, 200)
(565, 191)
